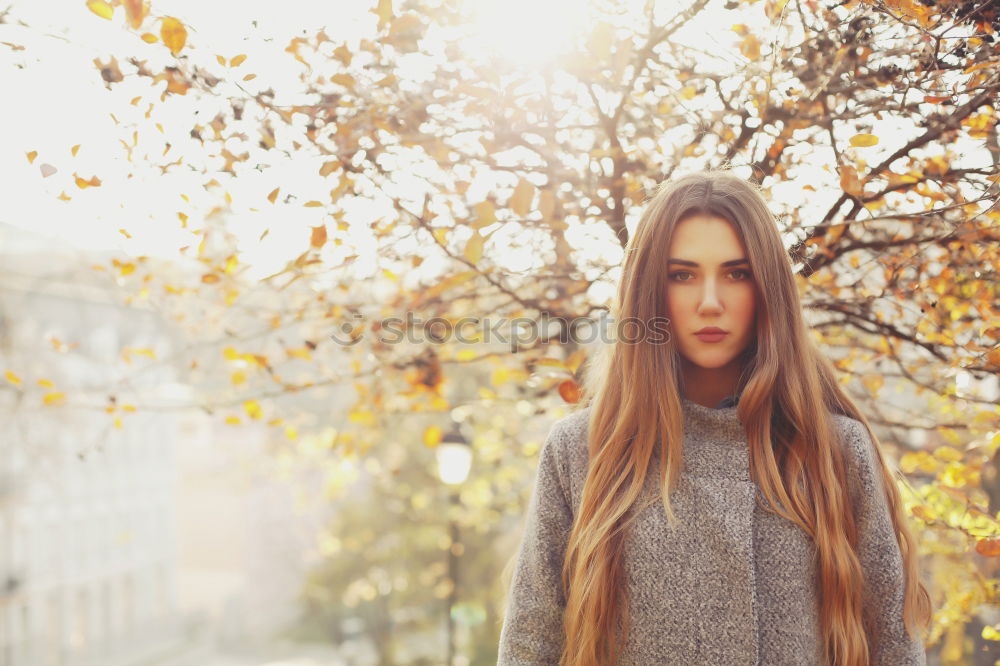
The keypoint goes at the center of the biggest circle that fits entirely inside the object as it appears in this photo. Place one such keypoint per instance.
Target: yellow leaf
(221, 60)
(150, 38)
(313, 204)
(118, 422)
(65, 197)
(520, 200)
(249, 77)
(689, 92)
(273, 195)
(291, 432)
(384, 12)
(54, 398)
(237, 60)
(252, 409)
(485, 214)
(864, 140)
(546, 204)
(345, 80)
(873, 382)
(44, 383)
(233, 420)
(83, 184)
(329, 168)
(101, 8)
(74, 149)
(173, 33)
(128, 408)
(474, 248)
(125, 233)
(31, 156)
(750, 47)
(12, 378)
(432, 436)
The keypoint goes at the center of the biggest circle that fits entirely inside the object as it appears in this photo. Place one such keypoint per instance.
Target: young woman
(718, 498)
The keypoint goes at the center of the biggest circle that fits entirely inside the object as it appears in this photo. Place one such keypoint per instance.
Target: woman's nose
(709, 301)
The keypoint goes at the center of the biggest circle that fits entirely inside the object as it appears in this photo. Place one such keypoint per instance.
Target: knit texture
(731, 583)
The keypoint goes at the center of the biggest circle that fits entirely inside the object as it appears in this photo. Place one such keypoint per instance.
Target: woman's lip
(711, 337)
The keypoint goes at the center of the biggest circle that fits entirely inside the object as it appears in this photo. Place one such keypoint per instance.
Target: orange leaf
(989, 547)
(313, 204)
(74, 149)
(101, 8)
(570, 391)
(83, 184)
(150, 38)
(273, 195)
(236, 61)
(249, 77)
(329, 168)
(173, 33)
(221, 60)
(136, 11)
(31, 156)
(849, 181)
(318, 236)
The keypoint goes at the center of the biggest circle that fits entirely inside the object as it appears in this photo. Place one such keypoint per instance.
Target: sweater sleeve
(881, 561)
(532, 632)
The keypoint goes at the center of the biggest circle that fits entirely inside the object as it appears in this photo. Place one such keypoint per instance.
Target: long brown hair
(788, 392)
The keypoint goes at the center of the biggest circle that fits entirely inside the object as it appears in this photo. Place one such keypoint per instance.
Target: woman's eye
(743, 271)
(674, 276)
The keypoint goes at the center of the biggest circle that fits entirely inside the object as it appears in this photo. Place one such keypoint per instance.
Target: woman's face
(709, 285)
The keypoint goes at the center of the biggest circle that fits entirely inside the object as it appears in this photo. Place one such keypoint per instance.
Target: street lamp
(454, 459)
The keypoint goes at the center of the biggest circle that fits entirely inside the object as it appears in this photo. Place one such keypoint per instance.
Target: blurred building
(86, 516)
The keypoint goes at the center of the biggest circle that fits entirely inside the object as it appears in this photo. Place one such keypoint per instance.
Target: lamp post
(454, 459)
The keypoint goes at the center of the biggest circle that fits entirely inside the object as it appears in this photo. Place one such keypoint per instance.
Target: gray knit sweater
(733, 584)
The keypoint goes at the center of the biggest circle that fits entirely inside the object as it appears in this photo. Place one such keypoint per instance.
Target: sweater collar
(718, 422)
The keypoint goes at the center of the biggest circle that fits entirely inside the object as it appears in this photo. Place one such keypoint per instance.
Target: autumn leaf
(101, 8)
(750, 47)
(54, 398)
(384, 12)
(252, 408)
(12, 378)
(570, 391)
(849, 181)
(47, 170)
(520, 200)
(74, 150)
(318, 237)
(313, 204)
(31, 156)
(236, 61)
(329, 168)
(273, 195)
(989, 547)
(485, 214)
(432, 436)
(173, 33)
(150, 38)
(136, 11)
(864, 140)
(83, 184)
(474, 248)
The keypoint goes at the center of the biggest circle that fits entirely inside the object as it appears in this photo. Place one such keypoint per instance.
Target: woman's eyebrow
(724, 264)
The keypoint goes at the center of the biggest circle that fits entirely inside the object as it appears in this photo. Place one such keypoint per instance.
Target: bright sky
(62, 102)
